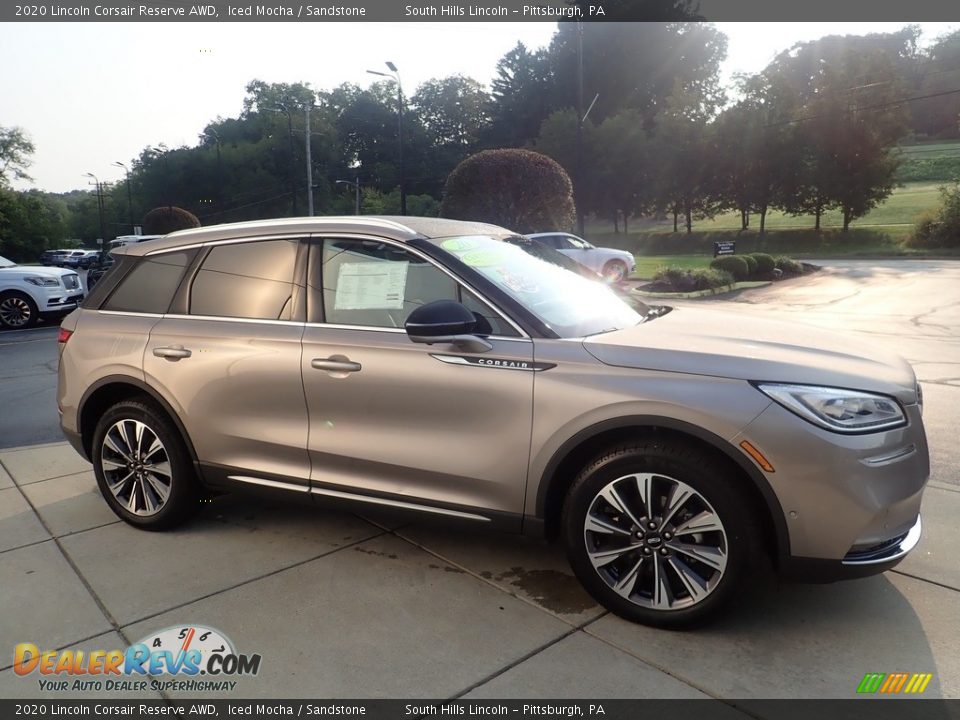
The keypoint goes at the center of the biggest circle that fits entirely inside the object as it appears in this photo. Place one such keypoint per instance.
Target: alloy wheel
(655, 541)
(15, 312)
(136, 467)
(615, 272)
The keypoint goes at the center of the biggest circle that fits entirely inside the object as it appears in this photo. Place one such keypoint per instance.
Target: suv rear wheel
(658, 532)
(142, 466)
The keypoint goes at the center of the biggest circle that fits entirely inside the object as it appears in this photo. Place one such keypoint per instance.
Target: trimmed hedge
(163, 220)
(788, 266)
(765, 264)
(691, 280)
(522, 190)
(733, 264)
(751, 265)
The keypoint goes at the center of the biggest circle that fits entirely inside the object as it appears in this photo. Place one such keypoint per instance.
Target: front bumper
(854, 565)
(851, 503)
(62, 302)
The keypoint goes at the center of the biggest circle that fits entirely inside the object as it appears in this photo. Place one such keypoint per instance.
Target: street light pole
(129, 194)
(356, 192)
(396, 77)
(578, 171)
(103, 232)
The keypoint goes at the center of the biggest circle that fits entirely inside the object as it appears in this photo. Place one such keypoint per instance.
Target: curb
(705, 293)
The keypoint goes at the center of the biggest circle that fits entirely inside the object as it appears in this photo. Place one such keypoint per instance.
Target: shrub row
(691, 280)
(744, 267)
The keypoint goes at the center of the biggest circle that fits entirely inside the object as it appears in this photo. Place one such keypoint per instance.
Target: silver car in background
(437, 368)
(612, 264)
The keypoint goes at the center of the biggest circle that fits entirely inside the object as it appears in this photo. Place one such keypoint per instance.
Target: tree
(686, 153)
(518, 189)
(625, 164)
(453, 110)
(15, 151)
(521, 98)
(847, 91)
(637, 66)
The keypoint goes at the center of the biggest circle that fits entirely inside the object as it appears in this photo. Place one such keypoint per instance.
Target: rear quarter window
(149, 287)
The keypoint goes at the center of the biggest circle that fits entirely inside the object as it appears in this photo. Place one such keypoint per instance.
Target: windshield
(567, 302)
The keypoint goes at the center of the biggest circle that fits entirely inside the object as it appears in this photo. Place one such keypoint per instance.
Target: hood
(21, 271)
(703, 342)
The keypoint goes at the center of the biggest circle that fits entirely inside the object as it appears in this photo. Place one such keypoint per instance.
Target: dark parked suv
(436, 367)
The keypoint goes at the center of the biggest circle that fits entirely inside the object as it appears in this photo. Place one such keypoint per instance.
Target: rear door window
(251, 280)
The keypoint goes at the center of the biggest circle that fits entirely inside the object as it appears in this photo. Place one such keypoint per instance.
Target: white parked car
(29, 292)
(614, 265)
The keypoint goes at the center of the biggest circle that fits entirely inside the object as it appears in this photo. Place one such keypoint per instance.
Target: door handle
(173, 352)
(335, 364)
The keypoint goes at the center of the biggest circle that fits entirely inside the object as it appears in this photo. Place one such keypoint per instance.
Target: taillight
(64, 335)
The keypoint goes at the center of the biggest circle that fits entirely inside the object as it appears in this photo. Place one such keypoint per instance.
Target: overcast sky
(90, 94)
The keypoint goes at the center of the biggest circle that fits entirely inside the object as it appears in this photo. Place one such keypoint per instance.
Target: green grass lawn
(879, 233)
(648, 264)
(895, 216)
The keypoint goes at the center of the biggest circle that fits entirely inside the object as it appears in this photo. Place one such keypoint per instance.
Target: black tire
(615, 271)
(184, 493)
(16, 304)
(663, 460)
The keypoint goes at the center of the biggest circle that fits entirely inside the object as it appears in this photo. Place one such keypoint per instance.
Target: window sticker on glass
(371, 286)
(459, 245)
(482, 258)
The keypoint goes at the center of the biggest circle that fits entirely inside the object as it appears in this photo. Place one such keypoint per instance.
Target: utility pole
(103, 232)
(129, 194)
(306, 112)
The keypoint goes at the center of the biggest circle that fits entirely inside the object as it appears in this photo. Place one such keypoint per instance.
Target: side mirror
(445, 321)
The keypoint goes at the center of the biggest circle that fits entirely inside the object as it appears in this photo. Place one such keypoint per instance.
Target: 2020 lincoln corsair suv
(435, 367)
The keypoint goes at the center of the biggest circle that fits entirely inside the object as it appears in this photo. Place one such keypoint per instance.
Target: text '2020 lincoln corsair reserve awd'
(434, 366)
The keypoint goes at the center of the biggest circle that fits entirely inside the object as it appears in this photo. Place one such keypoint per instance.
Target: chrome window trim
(427, 258)
(129, 313)
(374, 328)
(226, 318)
(228, 241)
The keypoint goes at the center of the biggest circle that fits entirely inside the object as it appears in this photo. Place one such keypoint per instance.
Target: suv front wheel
(658, 532)
(142, 466)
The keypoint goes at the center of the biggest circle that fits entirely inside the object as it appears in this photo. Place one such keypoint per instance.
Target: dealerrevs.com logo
(198, 658)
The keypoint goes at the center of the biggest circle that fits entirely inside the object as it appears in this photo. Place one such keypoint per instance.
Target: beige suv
(439, 368)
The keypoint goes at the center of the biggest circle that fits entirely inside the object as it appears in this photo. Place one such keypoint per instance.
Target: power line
(867, 108)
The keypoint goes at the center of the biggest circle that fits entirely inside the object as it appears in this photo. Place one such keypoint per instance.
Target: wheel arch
(577, 451)
(113, 389)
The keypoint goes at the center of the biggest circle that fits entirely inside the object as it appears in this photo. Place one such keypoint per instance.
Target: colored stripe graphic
(871, 682)
(894, 683)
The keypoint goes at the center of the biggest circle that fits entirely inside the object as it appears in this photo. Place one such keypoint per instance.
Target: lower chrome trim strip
(397, 504)
(270, 483)
(326, 492)
(891, 457)
(895, 552)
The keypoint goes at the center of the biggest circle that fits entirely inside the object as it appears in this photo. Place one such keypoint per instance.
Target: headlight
(837, 409)
(43, 281)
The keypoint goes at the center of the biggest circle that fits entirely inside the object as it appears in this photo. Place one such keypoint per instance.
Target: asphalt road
(909, 306)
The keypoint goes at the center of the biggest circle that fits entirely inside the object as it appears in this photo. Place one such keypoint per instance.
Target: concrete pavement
(340, 605)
